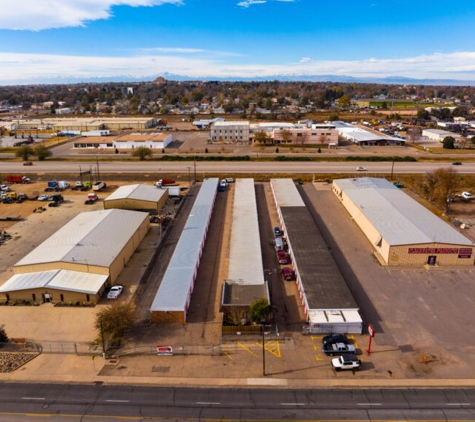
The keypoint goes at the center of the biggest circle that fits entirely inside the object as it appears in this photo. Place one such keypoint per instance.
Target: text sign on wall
(462, 252)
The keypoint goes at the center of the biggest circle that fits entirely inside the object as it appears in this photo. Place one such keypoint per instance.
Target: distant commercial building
(204, 123)
(400, 230)
(137, 197)
(232, 131)
(438, 135)
(154, 141)
(365, 137)
(85, 124)
(304, 136)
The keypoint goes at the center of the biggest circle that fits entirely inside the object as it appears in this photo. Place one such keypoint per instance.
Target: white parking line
(370, 404)
(33, 398)
(207, 402)
(118, 401)
(458, 404)
(292, 404)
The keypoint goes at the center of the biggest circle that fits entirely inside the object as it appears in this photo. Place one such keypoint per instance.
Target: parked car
(278, 232)
(53, 204)
(332, 349)
(456, 163)
(360, 168)
(335, 338)
(114, 292)
(466, 195)
(346, 361)
(5, 188)
(283, 257)
(288, 274)
(43, 198)
(229, 180)
(27, 163)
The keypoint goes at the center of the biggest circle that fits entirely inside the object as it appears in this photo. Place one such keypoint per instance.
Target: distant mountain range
(390, 80)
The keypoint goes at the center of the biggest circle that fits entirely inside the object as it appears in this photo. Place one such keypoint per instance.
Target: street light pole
(392, 171)
(263, 351)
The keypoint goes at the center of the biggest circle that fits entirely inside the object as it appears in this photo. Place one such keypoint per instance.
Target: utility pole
(263, 351)
(392, 171)
(98, 173)
(103, 344)
(194, 178)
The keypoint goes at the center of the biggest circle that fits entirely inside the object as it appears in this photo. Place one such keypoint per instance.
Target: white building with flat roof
(232, 131)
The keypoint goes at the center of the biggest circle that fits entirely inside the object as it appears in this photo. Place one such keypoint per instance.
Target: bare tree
(414, 134)
(441, 185)
(286, 136)
(303, 137)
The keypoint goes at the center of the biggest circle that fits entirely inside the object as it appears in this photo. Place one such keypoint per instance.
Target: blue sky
(236, 38)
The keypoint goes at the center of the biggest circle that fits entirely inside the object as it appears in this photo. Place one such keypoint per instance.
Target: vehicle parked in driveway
(288, 274)
(360, 168)
(114, 292)
(346, 361)
(332, 349)
(335, 338)
(283, 257)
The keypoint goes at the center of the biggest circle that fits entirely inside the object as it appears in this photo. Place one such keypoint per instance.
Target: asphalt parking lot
(414, 311)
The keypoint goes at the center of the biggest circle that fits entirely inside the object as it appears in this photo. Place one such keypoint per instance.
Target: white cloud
(248, 3)
(176, 50)
(305, 60)
(33, 67)
(44, 14)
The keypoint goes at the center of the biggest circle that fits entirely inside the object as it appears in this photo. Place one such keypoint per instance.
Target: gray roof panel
(137, 192)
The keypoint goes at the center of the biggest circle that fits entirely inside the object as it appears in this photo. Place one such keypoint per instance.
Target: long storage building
(401, 231)
(245, 282)
(328, 303)
(174, 294)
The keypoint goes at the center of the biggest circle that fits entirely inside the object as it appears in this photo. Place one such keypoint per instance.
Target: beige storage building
(400, 230)
(98, 242)
(90, 123)
(56, 286)
(137, 197)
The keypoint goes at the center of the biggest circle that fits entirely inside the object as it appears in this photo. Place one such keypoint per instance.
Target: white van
(279, 244)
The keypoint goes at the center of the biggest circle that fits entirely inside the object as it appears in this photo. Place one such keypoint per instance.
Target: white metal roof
(245, 257)
(177, 283)
(286, 193)
(398, 218)
(138, 192)
(73, 281)
(334, 316)
(91, 238)
(357, 134)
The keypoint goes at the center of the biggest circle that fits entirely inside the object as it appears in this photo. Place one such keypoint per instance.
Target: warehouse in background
(137, 197)
(173, 297)
(400, 230)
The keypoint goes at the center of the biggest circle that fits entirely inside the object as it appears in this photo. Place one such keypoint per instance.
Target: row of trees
(39, 151)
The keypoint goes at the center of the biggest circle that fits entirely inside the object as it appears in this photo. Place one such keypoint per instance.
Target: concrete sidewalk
(144, 370)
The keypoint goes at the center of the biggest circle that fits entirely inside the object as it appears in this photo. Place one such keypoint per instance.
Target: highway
(30, 402)
(229, 167)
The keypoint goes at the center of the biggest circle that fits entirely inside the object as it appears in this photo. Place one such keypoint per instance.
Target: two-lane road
(229, 167)
(30, 402)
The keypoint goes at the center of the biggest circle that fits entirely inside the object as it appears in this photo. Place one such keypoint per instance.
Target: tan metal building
(90, 123)
(400, 230)
(56, 286)
(137, 197)
(98, 242)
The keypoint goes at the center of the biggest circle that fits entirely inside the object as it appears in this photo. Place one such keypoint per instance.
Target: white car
(229, 180)
(346, 361)
(360, 168)
(114, 292)
(43, 198)
(5, 188)
(466, 195)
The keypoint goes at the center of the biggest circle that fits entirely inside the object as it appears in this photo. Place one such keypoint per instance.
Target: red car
(27, 163)
(283, 257)
(288, 274)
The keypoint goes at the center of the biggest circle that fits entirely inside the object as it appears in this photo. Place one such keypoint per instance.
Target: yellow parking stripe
(248, 350)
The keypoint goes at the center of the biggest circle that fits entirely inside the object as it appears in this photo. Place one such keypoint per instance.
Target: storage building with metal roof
(173, 297)
(137, 197)
(99, 242)
(328, 303)
(401, 230)
(245, 281)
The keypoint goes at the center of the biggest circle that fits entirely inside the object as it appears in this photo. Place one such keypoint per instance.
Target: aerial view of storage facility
(245, 282)
(174, 294)
(328, 303)
(137, 197)
(77, 261)
(401, 231)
